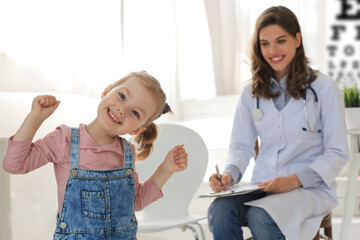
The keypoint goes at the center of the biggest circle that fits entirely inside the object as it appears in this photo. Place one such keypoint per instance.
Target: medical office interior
(197, 49)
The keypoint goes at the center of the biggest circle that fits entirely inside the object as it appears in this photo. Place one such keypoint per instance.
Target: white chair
(171, 211)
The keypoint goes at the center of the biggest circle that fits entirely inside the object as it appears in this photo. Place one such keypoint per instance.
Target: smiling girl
(98, 187)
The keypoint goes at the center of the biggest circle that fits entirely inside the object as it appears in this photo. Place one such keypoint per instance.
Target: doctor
(297, 114)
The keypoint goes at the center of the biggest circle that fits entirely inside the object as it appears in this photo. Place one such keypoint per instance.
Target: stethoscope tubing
(310, 88)
(308, 129)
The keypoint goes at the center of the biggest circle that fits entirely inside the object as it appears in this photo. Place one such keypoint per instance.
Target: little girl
(98, 188)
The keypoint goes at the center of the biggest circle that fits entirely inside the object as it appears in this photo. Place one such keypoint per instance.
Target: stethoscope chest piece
(257, 114)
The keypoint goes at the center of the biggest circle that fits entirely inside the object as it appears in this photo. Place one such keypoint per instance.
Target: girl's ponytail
(145, 141)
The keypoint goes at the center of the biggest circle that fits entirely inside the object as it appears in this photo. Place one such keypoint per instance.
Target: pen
(218, 174)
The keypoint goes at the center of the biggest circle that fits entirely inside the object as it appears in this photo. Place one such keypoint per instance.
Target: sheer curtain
(80, 46)
(225, 43)
(171, 38)
(64, 45)
(196, 48)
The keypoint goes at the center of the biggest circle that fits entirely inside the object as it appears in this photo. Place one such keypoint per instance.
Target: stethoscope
(257, 114)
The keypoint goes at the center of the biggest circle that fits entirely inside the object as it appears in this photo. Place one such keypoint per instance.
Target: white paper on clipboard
(238, 189)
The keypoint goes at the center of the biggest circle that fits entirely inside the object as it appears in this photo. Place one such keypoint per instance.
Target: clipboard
(238, 189)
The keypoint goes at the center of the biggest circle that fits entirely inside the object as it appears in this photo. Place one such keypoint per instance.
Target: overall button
(134, 219)
(62, 225)
(129, 172)
(74, 173)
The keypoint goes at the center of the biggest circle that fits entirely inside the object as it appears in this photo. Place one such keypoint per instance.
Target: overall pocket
(93, 204)
(63, 236)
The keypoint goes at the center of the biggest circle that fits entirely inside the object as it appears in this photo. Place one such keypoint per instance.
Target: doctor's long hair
(262, 71)
(146, 139)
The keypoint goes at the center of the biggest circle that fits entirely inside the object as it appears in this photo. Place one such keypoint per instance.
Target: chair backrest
(181, 187)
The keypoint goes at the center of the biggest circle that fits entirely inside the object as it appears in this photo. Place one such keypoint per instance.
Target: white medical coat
(286, 149)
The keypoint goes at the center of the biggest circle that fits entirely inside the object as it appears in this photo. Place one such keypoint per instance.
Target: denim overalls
(98, 205)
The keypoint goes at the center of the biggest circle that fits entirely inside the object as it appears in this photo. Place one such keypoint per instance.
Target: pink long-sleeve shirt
(25, 156)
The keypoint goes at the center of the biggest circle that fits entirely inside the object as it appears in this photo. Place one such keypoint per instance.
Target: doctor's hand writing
(222, 184)
(281, 184)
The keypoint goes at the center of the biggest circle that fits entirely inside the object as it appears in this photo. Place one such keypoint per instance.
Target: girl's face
(126, 108)
(278, 48)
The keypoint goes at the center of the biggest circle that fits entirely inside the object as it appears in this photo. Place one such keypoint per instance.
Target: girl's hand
(218, 186)
(176, 160)
(281, 184)
(44, 106)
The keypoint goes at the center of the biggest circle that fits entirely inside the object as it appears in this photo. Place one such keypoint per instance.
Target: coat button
(74, 173)
(129, 172)
(62, 225)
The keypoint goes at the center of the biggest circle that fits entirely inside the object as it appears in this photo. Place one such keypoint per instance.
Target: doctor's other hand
(218, 186)
(281, 184)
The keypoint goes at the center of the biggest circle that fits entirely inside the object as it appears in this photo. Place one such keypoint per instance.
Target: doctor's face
(278, 48)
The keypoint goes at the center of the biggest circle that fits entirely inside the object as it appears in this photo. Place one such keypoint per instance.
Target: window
(196, 48)
(171, 39)
(72, 46)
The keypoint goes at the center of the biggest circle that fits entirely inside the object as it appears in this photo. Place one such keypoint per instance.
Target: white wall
(5, 225)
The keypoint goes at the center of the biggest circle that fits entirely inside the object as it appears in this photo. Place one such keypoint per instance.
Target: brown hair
(262, 71)
(146, 139)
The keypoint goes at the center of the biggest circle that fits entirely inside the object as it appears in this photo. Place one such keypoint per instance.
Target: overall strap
(128, 155)
(74, 148)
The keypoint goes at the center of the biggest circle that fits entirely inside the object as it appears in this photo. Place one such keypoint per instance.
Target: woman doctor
(303, 143)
